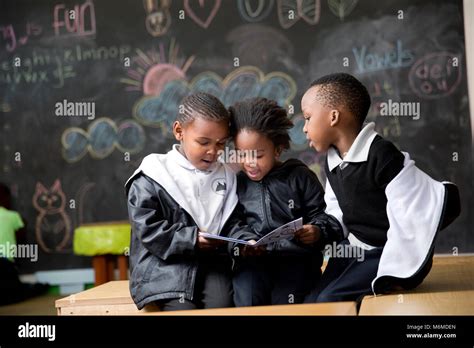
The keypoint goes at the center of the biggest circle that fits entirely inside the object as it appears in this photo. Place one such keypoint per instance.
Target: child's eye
(203, 143)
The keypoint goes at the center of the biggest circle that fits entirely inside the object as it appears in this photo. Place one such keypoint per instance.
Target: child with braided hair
(174, 196)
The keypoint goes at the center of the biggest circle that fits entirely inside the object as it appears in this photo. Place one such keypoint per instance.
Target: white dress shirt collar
(358, 152)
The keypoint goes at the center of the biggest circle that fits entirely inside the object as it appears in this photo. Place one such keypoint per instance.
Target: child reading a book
(174, 196)
(273, 193)
(384, 204)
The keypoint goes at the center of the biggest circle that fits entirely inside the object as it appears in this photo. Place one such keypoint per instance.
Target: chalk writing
(79, 21)
(435, 76)
(396, 58)
(13, 40)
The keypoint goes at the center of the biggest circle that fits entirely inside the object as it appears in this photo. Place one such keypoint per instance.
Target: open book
(283, 232)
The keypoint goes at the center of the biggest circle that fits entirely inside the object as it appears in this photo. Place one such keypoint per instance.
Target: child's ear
(335, 117)
(278, 151)
(178, 130)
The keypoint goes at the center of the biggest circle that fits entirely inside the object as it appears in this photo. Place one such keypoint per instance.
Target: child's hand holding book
(308, 234)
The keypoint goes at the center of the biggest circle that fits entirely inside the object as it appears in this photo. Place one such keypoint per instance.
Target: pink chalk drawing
(158, 76)
(13, 40)
(435, 75)
(78, 21)
(202, 23)
(53, 226)
(152, 70)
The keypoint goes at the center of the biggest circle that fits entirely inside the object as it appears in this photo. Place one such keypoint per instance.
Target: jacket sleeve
(161, 237)
(236, 227)
(315, 210)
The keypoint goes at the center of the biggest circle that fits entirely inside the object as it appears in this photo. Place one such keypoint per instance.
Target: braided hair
(203, 105)
(263, 116)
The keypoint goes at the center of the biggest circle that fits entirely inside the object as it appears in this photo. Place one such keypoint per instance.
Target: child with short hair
(273, 193)
(373, 190)
(174, 196)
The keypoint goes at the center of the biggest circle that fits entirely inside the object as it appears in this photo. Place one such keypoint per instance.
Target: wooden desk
(314, 309)
(113, 298)
(447, 290)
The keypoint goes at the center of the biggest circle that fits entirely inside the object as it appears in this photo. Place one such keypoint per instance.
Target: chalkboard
(88, 88)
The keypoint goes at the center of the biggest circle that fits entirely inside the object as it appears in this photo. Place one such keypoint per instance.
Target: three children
(370, 190)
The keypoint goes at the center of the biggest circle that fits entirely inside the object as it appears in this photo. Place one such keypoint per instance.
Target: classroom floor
(41, 305)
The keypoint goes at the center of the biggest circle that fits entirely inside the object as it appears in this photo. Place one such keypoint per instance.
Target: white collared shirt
(358, 152)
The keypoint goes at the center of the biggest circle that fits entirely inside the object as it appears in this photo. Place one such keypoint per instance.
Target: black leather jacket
(163, 253)
(288, 192)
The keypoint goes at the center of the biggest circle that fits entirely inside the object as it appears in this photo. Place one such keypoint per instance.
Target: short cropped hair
(343, 89)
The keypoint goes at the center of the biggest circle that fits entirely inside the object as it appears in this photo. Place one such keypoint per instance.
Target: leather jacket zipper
(262, 186)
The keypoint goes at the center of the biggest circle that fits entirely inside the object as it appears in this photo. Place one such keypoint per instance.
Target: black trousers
(347, 278)
(275, 279)
(212, 289)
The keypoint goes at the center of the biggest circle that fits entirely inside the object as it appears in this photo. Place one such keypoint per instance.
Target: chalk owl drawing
(53, 226)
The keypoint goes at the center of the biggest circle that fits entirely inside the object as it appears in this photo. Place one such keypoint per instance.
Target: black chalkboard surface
(88, 88)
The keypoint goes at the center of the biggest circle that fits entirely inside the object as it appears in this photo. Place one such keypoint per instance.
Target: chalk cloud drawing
(53, 225)
(210, 6)
(245, 82)
(298, 138)
(101, 139)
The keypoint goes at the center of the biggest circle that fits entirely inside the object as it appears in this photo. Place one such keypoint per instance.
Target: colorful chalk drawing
(435, 76)
(82, 23)
(245, 82)
(152, 70)
(14, 39)
(308, 10)
(53, 225)
(101, 139)
(315, 161)
(298, 138)
(342, 8)
(203, 4)
(257, 14)
(158, 18)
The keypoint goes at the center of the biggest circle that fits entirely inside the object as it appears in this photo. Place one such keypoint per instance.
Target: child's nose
(212, 150)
